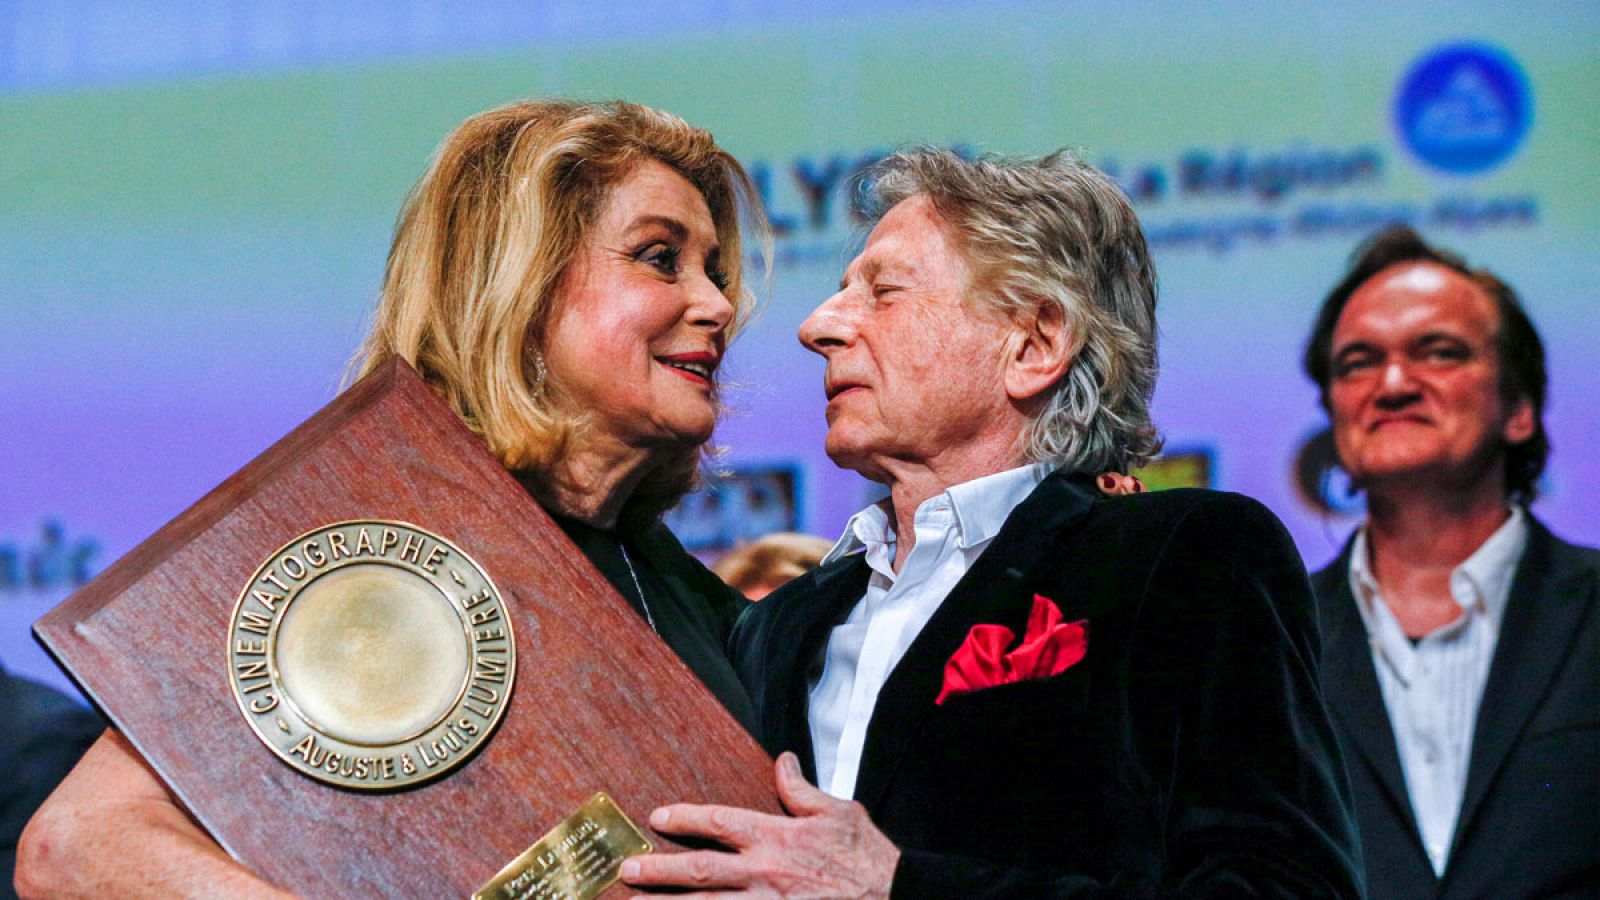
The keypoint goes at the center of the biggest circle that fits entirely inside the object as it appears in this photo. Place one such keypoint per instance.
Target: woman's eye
(718, 277)
(661, 257)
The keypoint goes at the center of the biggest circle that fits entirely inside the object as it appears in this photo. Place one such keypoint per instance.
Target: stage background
(196, 201)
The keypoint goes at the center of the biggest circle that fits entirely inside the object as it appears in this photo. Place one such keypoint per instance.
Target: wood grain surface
(599, 704)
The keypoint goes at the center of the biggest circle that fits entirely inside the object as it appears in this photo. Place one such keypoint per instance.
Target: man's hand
(827, 848)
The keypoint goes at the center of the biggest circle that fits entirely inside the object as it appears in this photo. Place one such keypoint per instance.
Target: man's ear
(1520, 424)
(1038, 354)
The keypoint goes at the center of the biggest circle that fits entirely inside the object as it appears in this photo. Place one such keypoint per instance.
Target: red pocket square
(1049, 647)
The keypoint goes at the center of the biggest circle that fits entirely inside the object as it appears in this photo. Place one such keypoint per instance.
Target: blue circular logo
(1463, 108)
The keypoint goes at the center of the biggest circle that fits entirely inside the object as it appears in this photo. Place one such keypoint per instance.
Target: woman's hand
(112, 830)
(1116, 484)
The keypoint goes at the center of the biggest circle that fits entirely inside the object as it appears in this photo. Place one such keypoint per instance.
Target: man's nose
(1396, 387)
(829, 326)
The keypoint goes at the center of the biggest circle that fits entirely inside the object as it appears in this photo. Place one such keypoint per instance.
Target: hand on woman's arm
(112, 830)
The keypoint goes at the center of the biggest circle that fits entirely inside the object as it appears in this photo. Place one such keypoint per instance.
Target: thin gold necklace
(643, 601)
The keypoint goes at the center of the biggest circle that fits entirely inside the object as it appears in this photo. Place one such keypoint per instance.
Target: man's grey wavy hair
(1052, 230)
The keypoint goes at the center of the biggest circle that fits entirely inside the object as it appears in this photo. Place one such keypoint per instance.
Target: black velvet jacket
(1189, 753)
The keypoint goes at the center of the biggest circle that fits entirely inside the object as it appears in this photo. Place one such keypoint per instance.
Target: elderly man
(1461, 637)
(1028, 689)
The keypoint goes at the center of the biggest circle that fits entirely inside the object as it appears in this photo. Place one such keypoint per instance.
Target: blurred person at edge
(591, 373)
(42, 734)
(1006, 684)
(1461, 643)
(761, 566)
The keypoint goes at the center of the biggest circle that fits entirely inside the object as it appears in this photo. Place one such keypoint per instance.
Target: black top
(688, 606)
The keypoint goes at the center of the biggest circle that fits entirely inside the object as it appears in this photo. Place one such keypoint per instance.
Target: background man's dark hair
(1521, 352)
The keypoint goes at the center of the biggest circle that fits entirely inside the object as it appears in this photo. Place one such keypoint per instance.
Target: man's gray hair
(1053, 231)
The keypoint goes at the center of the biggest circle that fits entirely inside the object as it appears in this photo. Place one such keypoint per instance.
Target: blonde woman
(568, 277)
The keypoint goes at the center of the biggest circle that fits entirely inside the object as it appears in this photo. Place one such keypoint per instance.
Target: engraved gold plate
(576, 860)
(371, 655)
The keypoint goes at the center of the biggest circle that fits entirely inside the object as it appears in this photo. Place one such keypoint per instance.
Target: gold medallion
(371, 655)
(577, 860)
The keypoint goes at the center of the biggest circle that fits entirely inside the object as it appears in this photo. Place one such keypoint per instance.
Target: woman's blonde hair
(484, 238)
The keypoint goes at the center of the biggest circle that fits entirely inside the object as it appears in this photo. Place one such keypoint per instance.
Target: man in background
(1461, 640)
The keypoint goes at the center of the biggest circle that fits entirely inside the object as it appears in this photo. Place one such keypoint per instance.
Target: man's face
(914, 372)
(1415, 393)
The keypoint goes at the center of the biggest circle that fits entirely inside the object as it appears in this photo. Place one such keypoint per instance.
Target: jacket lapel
(1551, 594)
(1350, 685)
(995, 589)
(822, 601)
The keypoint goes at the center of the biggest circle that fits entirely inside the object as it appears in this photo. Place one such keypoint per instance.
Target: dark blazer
(1189, 752)
(1530, 816)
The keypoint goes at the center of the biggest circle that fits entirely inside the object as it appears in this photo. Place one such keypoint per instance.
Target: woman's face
(639, 318)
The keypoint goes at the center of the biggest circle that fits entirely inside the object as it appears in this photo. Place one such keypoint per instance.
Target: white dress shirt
(952, 530)
(1432, 689)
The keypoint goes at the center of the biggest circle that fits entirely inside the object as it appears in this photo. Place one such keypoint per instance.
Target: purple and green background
(196, 200)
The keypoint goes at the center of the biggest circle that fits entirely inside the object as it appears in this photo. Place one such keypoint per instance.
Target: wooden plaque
(599, 703)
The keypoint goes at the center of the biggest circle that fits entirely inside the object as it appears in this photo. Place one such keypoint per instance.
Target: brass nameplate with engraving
(576, 860)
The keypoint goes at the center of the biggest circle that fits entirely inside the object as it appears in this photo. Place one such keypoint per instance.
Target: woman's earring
(539, 372)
